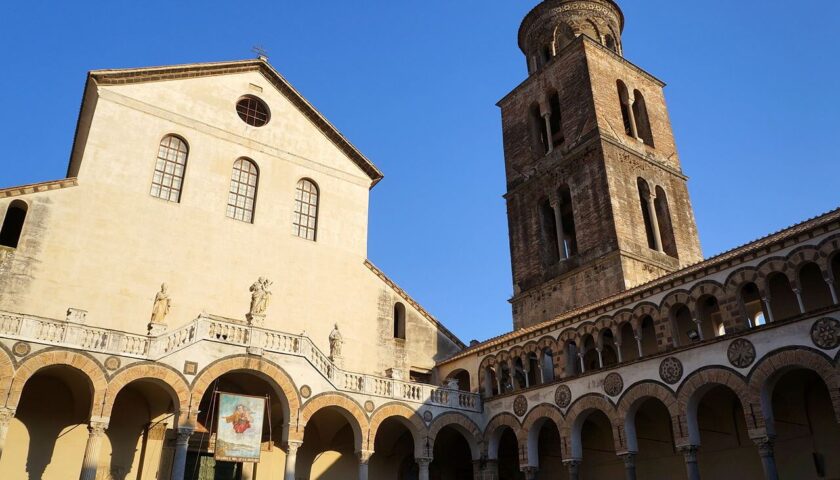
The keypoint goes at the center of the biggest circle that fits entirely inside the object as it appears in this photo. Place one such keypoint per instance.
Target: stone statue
(336, 340)
(260, 296)
(160, 310)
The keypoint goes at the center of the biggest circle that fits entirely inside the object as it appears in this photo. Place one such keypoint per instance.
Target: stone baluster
(574, 468)
(96, 430)
(768, 458)
(291, 459)
(423, 465)
(690, 454)
(629, 459)
(364, 462)
(6, 416)
(179, 463)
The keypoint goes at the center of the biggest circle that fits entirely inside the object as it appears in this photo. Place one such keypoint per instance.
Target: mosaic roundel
(112, 363)
(671, 370)
(563, 396)
(613, 384)
(520, 406)
(369, 406)
(305, 391)
(826, 333)
(741, 353)
(427, 416)
(21, 349)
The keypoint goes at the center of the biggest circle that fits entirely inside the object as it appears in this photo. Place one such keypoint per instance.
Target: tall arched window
(305, 224)
(567, 217)
(243, 190)
(399, 321)
(169, 169)
(642, 120)
(648, 212)
(13, 224)
(666, 228)
(626, 111)
(548, 220)
(556, 120)
(540, 134)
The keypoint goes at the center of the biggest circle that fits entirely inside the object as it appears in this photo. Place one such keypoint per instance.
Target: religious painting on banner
(240, 426)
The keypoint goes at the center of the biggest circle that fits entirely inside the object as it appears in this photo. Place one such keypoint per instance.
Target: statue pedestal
(156, 329)
(255, 319)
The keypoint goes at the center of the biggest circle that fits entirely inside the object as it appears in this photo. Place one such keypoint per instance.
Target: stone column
(833, 290)
(629, 465)
(799, 300)
(530, 473)
(691, 466)
(654, 220)
(600, 357)
(6, 416)
(364, 460)
(582, 366)
(574, 468)
(699, 325)
(179, 463)
(634, 132)
(547, 118)
(291, 460)
(766, 301)
(639, 345)
(423, 464)
(618, 350)
(96, 430)
(558, 222)
(526, 369)
(768, 459)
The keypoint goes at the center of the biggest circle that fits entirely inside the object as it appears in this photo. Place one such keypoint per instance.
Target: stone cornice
(38, 187)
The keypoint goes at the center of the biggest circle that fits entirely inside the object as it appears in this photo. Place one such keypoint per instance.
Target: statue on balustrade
(336, 340)
(260, 296)
(160, 309)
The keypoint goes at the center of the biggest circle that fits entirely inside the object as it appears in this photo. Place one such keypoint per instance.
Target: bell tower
(597, 201)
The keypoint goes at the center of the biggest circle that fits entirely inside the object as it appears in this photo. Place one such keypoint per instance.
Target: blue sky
(753, 95)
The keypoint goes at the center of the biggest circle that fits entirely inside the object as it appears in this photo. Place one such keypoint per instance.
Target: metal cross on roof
(260, 51)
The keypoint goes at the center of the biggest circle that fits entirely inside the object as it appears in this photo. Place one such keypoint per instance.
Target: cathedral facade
(194, 300)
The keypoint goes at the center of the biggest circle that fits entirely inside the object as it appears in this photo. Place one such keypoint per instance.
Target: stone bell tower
(596, 198)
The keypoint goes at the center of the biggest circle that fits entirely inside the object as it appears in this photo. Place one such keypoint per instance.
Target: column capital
(364, 456)
(97, 428)
(184, 434)
(572, 462)
(689, 452)
(765, 445)
(423, 461)
(6, 416)
(293, 446)
(629, 458)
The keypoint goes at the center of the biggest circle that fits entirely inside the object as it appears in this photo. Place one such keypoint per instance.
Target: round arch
(579, 412)
(260, 367)
(89, 367)
(171, 381)
(349, 409)
(531, 426)
(633, 398)
(463, 425)
(493, 432)
(700, 382)
(406, 416)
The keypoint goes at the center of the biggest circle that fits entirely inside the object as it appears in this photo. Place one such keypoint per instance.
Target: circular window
(253, 111)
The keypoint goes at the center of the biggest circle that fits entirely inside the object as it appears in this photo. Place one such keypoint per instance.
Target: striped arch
(626, 316)
(805, 254)
(89, 367)
(268, 371)
(493, 432)
(739, 278)
(700, 382)
(346, 406)
(171, 381)
(776, 265)
(830, 247)
(673, 299)
(710, 288)
(408, 417)
(465, 426)
(772, 367)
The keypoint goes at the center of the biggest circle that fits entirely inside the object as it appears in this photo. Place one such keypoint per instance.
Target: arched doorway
(330, 441)
(394, 448)
(807, 432)
(452, 456)
(599, 457)
(47, 437)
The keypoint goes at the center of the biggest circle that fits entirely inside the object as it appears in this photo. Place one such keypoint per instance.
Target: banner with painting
(240, 427)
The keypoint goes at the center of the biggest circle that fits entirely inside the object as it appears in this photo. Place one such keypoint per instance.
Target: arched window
(305, 224)
(243, 190)
(752, 304)
(399, 321)
(169, 169)
(783, 302)
(540, 134)
(548, 220)
(13, 224)
(666, 228)
(610, 43)
(626, 111)
(642, 120)
(648, 211)
(556, 120)
(567, 219)
(815, 290)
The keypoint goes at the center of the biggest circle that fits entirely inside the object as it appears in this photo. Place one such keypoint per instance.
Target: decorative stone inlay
(671, 370)
(112, 363)
(613, 384)
(21, 349)
(427, 416)
(826, 333)
(741, 353)
(190, 368)
(520, 406)
(305, 391)
(563, 396)
(369, 406)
